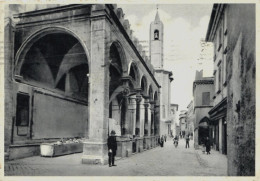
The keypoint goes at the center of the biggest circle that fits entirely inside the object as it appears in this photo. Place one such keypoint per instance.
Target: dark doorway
(224, 136)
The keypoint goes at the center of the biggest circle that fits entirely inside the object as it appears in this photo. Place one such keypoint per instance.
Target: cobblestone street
(166, 161)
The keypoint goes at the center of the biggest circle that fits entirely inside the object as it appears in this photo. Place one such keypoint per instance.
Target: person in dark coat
(112, 147)
(187, 141)
(162, 140)
(207, 144)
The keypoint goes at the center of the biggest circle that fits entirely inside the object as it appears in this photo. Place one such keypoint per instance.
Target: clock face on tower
(156, 35)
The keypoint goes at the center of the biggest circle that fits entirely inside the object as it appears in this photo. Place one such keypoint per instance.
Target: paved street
(166, 161)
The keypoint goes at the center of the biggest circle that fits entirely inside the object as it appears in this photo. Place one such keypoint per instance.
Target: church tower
(156, 42)
(163, 77)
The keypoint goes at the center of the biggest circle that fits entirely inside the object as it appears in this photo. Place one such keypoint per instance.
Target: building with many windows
(232, 30)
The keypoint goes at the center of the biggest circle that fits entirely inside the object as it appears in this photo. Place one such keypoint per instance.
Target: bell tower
(156, 42)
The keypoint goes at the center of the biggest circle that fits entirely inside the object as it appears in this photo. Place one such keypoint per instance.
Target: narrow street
(166, 161)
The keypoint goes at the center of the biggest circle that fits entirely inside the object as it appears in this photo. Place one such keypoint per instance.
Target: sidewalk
(215, 161)
(160, 161)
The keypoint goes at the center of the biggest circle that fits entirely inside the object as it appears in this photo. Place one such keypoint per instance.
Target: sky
(184, 27)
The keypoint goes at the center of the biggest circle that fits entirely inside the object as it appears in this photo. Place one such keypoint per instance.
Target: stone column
(146, 106)
(157, 119)
(133, 114)
(95, 148)
(138, 122)
(142, 120)
(8, 84)
(152, 118)
(126, 121)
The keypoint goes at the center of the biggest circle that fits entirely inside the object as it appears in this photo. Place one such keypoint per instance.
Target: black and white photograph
(129, 89)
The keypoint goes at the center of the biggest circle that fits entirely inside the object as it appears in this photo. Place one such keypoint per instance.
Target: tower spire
(157, 18)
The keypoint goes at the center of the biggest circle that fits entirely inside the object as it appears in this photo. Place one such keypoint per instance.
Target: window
(220, 36)
(22, 110)
(156, 35)
(219, 77)
(110, 110)
(205, 98)
(220, 39)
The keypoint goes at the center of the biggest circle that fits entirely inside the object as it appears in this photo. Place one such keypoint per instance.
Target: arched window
(156, 34)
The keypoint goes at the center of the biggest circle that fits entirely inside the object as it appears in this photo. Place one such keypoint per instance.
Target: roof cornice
(217, 10)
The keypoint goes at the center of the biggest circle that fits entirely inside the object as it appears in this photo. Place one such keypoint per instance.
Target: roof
(217, 10)
(205, 80)
(157, 18)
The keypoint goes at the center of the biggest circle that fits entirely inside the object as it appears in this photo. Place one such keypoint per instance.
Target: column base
(95, 153)
(94, 160)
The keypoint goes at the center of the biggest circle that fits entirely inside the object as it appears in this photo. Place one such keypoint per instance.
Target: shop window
(22, 110)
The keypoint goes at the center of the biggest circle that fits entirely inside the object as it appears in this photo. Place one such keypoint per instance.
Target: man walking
(207, 144)
(162, 140)
(112, 147)
(187, 141)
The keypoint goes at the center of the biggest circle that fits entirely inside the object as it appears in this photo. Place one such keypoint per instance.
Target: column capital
(146, 105)
(138, 90)
(152, 102)
(126, 91)
(138, 98)
(125, 78)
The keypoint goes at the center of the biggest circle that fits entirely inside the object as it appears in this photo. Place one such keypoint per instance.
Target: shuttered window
(205, 98)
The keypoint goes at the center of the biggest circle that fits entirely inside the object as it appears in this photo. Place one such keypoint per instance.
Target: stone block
(23, 151)
(95, 153)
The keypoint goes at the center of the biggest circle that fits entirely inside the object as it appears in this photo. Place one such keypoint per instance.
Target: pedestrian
(165, 137)
(207, 144)
(162, 140)
(187, 141)
(175, 141)
(112, 147)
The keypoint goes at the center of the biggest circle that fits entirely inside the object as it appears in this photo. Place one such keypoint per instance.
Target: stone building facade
(190, 119)
(232, 30)
(183, 123)
(68, 70)
(202, 92)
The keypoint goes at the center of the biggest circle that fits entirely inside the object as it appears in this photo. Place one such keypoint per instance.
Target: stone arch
(30, 40)
(203, 130)
(204, 120)
(133, 72)
(151, 97)
(57, 60)
(117, 67)
(121, 53)
(144, 85)
(155, 97)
